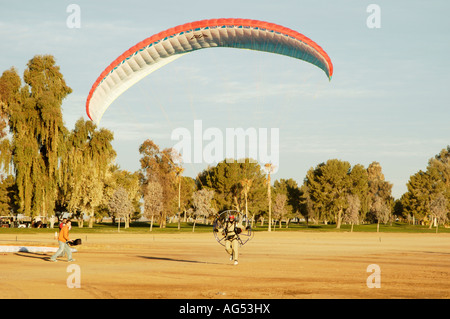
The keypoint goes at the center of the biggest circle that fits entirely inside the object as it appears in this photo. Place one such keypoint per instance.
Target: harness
(231, 234)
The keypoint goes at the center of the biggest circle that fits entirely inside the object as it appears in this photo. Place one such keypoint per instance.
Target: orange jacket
(64, 234)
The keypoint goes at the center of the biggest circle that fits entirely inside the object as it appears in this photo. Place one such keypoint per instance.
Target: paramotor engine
(220, 221)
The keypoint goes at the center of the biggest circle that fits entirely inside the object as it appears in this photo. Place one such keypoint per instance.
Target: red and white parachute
(164, 47)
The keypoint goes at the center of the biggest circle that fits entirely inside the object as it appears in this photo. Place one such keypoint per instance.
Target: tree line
(47, 168)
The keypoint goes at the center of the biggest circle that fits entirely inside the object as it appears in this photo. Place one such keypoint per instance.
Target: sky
(388, 100)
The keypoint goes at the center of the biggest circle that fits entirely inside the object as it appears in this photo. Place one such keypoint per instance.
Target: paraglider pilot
(231, 230)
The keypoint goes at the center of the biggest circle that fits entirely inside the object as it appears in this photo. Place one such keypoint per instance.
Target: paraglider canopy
(164, 47)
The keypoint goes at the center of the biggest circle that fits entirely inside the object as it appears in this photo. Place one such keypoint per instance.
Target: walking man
(231, 231)
(63, 240)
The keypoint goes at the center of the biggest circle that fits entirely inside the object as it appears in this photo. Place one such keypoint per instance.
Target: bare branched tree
(438, 208)
(279, 207)
(382, 211)
(202, 204)
(352, 212)
(153, 201)
(120, 205)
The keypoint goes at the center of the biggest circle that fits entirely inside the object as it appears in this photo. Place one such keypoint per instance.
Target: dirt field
(291, 265)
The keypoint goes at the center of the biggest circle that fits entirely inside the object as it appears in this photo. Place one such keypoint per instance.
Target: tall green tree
(85, 169)
(425, 187)
(37, 128)
(188, 187)
(160, 166)
(380, 191)
(7, 195)
(328, 186)
(308, 208)
(416, 201)
(10, 84)
(230, 181)
(359, 187)
(439, 168)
